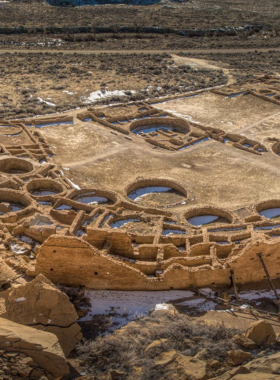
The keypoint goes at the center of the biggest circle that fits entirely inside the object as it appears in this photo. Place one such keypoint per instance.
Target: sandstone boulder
(244, 342)
(266, 364)
(237, 357)
(233, 372)
(42, 347)
(41, 305)
(256, 376)
(6, 274)
(191, 368)
(261, 332)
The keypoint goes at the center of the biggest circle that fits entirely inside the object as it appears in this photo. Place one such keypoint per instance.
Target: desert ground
(139, 191)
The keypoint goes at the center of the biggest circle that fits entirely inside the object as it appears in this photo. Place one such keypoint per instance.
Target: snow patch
(103, 94)
(125, 306)
(20, 299)
(18, 249)
(75, 186)
(48, 103)
(187, 117)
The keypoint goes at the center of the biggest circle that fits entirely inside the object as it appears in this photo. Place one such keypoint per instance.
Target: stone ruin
(131, 240)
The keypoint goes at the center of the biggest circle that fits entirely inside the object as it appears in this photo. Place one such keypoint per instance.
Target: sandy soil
(216, 173)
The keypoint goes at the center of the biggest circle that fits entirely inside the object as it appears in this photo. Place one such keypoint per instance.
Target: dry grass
(125, 349)
(67, 80)
(246, 65)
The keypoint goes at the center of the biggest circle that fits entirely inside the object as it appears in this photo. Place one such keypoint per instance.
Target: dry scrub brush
(126, 348)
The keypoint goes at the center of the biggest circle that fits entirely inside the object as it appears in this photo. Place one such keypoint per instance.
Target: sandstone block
(237, 357)
(261, 332)
(42, 347)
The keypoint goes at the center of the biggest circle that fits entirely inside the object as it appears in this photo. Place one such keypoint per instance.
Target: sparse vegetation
(58, 82)
(129, 348)
(245, 66)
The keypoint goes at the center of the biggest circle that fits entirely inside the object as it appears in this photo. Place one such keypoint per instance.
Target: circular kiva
(269, 209)
(15, 166)
(10, 130)
(12, 201)
(44, 187)
(154, 124)
(93, 197)
(201, 216)
(156, 192)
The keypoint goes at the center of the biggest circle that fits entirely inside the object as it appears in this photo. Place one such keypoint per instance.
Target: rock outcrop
(186, 367)
(266, 364)
(41, 305)
(244, 342)
(237, 357)
(42, 349)
(6, 274)
(262, 333)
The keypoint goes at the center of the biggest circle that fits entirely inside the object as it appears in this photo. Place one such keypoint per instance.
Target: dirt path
(190, 51)
(204, 64)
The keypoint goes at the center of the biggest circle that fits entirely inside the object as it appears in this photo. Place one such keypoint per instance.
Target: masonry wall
(71, 261)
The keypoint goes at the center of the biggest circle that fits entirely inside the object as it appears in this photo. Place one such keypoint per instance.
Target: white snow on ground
(162, 306)
(135, 303)
(96, 95)
(199, 304)
(21, 299)
(187, 117)
(69, 92)
(18, 249)
(256, 294)
(48, 103)
(73, 184)
(124, 307)
(51, 42)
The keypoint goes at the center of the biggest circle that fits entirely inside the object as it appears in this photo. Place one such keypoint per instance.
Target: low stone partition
(223, 251)
(227, 91)
(231, 229)
(170, 251)
(200, 249)
(146, 267)
(175, 239)
(48, 120)
(272, 99)
(189, 262)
